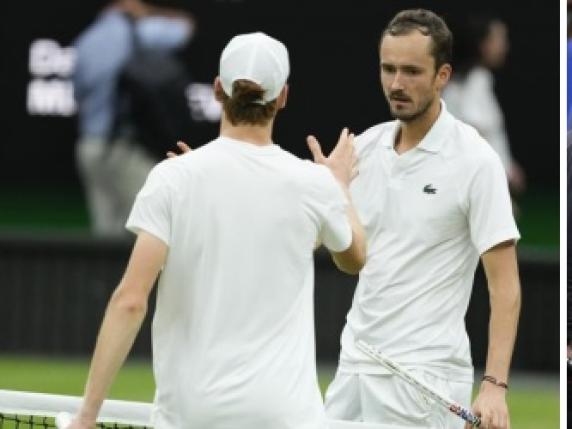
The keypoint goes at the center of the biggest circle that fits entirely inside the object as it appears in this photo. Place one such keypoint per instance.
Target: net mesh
(25, 410)
(13, 421)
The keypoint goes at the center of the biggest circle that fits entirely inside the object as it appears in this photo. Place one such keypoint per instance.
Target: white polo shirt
(428, 213)
(233, 331)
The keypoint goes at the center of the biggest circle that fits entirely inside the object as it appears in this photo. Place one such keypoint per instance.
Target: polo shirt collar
(434, 139)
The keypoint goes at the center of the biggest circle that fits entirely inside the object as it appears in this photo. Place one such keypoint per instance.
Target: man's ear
(218, 91)
(282, 98)
(443, 76)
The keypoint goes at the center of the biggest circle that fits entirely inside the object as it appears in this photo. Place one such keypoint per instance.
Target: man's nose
(397, 82)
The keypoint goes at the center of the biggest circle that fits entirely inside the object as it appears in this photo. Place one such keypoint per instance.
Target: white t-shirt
(233, 331)
(428, 214)
(473, 101)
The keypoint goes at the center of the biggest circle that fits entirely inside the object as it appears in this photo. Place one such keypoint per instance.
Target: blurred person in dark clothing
(483, 45)
(111, 163)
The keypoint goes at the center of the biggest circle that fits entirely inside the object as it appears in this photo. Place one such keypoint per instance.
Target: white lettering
(50, 98)
(47, 58)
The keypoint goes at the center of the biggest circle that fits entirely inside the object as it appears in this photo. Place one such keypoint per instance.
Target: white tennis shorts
(389, 400)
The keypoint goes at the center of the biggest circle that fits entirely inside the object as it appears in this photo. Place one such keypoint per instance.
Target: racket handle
(466, 415)
(475, 421)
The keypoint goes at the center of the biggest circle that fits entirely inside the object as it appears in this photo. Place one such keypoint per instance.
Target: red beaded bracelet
(493, 380)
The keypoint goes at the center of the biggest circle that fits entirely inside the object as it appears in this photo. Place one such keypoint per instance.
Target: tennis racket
(405, 375)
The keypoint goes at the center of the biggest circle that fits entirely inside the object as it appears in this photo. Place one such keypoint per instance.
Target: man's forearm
(353, 259)
(505, 309)
(501, 269)
(120, 326)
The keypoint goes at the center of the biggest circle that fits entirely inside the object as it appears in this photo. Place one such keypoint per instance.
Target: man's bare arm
(343, 164)
(122, 321)
(504, 289)
(501, 269)
(352, 260)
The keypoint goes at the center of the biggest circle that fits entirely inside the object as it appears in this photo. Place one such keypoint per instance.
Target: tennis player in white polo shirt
(233, 226)
(433, 198)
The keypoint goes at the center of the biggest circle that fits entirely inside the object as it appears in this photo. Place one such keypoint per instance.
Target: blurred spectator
(111, 162)
(481, 47)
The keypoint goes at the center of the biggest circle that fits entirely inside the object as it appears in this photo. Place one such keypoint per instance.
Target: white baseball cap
(258, 58)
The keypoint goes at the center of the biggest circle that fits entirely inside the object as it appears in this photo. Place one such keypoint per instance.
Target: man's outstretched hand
(341, 161)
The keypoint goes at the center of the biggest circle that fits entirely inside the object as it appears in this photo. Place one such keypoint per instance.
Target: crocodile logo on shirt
(429, 189)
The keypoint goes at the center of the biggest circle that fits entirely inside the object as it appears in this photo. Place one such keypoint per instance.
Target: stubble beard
(410, 117)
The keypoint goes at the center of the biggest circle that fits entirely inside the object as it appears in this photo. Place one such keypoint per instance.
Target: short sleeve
(151, 211)
(335, 229)
(491, 219)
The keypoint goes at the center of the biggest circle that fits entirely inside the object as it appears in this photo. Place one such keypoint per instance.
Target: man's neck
(411, 133)
(259, 135)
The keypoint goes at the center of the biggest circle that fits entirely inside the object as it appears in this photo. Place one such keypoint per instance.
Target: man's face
(408, 77)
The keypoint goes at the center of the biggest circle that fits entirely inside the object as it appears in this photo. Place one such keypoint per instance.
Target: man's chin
(403, 116)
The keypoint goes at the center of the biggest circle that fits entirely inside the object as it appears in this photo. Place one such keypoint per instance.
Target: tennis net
(26, 410)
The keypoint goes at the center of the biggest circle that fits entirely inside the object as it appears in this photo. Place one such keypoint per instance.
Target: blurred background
(94, 93)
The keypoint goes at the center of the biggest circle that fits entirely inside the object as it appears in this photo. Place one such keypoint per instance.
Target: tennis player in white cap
(233, 226)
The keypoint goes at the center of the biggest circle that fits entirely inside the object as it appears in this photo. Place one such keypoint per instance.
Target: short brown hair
(243, 107)
(428, 24)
